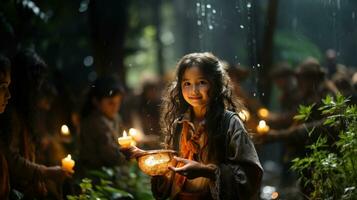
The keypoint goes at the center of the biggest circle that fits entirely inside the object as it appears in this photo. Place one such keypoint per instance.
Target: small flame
(69, 157)
(65, 130)
(125, 134)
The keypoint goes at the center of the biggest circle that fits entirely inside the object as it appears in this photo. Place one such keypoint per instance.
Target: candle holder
(155, 162)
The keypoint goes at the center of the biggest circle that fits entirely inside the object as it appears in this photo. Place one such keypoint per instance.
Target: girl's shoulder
(231, 121)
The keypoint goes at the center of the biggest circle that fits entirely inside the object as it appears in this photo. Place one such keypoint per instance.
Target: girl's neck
(199, 113)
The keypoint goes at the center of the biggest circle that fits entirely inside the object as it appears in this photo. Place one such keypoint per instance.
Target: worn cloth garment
(238, 175)
(4, 175)
(98, 141)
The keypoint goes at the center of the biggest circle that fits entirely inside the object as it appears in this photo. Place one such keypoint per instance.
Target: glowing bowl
(155, 162)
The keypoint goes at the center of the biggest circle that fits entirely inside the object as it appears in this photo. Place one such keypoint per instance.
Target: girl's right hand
(132, 152)
(56, 173)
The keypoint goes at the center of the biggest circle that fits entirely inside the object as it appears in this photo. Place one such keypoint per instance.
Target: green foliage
(132, 182)
(331, 173)
(104, 190)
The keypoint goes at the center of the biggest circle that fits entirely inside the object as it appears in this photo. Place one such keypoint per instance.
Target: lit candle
(125, 141)
(244, 115)
(263, 113)
(68, 163)
(65, 130)
(262, 127)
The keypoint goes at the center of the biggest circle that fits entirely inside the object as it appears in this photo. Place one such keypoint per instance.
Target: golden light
(262, 127)
(274, 195)
(136, 134)
(68, 163)
(155, 162)
(65, 130)
(125, 141)
(263, 113)
(244, 115)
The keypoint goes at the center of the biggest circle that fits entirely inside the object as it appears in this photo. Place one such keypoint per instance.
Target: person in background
(5, 80)
(101, 125)
(19, 132)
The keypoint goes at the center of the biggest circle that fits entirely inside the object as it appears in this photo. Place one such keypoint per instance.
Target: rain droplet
(210, 27)
(199, 23)
(254, 94)
(253, 66)
(36, 10)
(263, 94)
(214, 11)
(208, 5)
(88, 61)
(241, 26)
(353, 15)
(249, 5)
(258, 65)
(198, 4)
(203, 14)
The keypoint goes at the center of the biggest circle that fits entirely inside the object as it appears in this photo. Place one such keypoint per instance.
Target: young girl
(216, 159)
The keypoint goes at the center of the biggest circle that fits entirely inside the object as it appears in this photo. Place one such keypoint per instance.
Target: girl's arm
(239, 176)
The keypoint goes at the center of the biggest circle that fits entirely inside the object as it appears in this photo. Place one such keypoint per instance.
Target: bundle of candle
(155, 162)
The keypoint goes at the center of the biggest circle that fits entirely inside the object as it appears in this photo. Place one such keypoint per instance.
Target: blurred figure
(5, 80)
(29, 178)
(248, 114)
(101, 125)
(312, 87)
(284, 78)
(50, 149)
(332, 66)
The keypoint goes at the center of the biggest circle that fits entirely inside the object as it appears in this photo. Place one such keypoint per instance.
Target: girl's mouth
(195, 98)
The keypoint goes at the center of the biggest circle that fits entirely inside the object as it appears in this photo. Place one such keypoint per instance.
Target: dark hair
(106, 86)
(5, 65)
(28, 73)
(220, 93)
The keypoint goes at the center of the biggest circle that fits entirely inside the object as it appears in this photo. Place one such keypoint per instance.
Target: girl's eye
(203, 82)
(186, 84)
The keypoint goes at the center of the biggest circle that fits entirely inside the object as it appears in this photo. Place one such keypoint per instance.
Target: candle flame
(262, 123)
(69, 156)
(65, 129)
(125, 134)
(263, 112)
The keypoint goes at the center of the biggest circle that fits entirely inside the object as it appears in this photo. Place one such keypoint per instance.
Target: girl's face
(4, 90)
(195, 87)
(109, 106)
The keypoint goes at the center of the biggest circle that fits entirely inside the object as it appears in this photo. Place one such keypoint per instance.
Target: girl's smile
(195, 87)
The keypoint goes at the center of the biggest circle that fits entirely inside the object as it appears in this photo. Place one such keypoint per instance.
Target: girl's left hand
(193, 169)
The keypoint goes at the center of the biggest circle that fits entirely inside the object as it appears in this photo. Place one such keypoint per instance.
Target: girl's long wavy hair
(221, 98)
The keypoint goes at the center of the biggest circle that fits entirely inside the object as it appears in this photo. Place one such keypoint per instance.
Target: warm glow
(125, 141)
(244, 115)
(136, 134)
(65, 130)
(274, 195)
(68, 163)
(263, 113)
(262, 127)
(151, 161)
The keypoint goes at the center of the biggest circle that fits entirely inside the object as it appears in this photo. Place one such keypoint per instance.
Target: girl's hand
(193, 169)
(132, 152)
